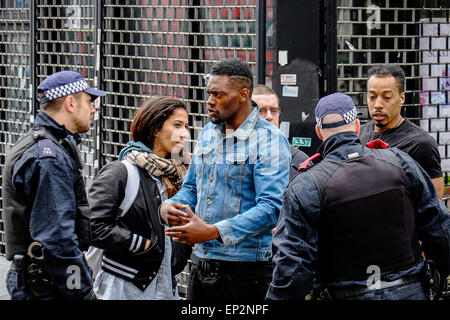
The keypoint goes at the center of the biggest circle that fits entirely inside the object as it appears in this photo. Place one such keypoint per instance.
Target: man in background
(269, 109)
(385, 97)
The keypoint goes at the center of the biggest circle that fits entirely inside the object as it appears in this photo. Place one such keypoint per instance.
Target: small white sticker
(283, 57)
(288, 79)
(290, 91)
(284, 127)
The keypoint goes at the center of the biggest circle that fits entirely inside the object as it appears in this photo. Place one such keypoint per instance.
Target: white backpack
(94, 255)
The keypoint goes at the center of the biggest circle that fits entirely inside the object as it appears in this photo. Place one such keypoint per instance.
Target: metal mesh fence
(411, 33)
(65, 40)
(14, 80)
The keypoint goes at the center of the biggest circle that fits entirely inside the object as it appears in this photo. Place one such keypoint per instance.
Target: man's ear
(319, 134)
(357, 126)
(70, 103)
(244, 94)
(402, 97)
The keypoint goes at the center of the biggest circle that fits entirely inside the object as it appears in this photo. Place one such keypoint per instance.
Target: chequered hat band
(350, 115)
(64, 90)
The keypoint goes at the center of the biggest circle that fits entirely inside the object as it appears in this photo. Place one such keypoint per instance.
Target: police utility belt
(32, 277)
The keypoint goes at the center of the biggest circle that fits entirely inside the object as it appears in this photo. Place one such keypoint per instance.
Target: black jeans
(229, 280)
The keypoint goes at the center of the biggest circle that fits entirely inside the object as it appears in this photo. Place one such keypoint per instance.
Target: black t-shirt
(411, 139)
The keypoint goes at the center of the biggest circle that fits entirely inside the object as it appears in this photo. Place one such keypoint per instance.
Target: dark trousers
(217, 280)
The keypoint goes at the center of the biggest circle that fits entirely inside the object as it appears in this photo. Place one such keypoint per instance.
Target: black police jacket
(43, 199)
(123, 238)
(358, 207)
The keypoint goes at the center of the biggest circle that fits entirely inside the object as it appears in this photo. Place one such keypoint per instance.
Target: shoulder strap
(131, 188)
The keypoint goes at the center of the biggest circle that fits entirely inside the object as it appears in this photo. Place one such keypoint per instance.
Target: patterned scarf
(171, 172)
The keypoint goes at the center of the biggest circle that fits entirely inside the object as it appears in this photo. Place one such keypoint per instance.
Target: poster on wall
(434, 71)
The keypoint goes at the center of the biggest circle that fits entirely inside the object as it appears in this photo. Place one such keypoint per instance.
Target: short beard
(380, 125)
(216, 120)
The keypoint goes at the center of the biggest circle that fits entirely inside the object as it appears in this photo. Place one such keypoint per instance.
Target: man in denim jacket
(235, 181)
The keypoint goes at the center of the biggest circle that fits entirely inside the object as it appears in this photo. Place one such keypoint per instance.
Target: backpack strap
(132, 187)
(94, 256)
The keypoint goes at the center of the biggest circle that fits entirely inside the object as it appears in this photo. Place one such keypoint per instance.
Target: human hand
(195, 231)
(171, 214)
(147, 244)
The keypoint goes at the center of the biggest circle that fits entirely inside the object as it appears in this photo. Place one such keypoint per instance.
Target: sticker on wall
(284, 127)
(301, 142)
(288, 79)
(290, 91)
(282, 57)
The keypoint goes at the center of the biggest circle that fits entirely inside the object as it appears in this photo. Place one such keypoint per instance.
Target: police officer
(353, 221)
(45, 207)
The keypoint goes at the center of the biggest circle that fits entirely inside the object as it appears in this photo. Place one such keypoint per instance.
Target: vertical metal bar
(33, 70)
(98, 82)
(331, 46)
(260, 41)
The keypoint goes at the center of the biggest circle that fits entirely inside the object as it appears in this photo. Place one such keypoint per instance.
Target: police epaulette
(307, 163)
(46, 147)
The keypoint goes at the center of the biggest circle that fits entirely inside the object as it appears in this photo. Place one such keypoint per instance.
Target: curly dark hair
(236, 69)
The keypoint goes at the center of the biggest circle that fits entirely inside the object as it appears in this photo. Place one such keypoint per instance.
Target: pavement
(4, 267)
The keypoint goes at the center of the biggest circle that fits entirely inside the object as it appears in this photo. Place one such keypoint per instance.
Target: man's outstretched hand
(195, 231)
(173, 215)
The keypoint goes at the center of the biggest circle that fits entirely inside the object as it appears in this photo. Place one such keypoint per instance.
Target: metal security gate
(14, 80)
(413, 34)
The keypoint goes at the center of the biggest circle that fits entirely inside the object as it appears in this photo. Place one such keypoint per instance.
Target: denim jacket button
(209, 202)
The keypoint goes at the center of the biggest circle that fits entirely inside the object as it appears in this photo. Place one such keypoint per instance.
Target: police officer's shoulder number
(46, 148)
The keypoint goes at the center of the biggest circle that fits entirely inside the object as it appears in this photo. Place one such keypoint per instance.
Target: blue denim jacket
(236, 182)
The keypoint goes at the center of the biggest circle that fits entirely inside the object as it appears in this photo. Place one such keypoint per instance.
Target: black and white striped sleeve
(137, 244)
